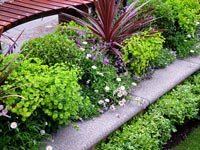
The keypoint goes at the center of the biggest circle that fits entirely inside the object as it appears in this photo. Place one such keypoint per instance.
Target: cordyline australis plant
(114, 27)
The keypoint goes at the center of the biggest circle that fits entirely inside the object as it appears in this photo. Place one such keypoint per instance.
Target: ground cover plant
(154, 128)
(82, 71)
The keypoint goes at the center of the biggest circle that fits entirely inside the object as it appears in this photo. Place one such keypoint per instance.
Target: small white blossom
(189, 36)
(122, 88)
(112, 107)
(49, 147)
(83, 49)
(94, 67)
(100, 73)
(107, 88)
(185, 40)
(42, 132)
(119, 79)
(121, 103)
(198, 23)
(46, 123)
(96, 91)
(119, 94)
(100, 102)
(191, 51)
(84, 42)
(13, 125)
(88, 56)
(123, 100)
(107, 100)
(134, 84)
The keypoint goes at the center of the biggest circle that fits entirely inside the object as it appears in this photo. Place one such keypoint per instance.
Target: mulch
(182, 132)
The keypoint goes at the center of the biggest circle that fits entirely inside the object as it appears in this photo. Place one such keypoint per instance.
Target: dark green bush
(164, 58)
(146, 132)
(53, 48)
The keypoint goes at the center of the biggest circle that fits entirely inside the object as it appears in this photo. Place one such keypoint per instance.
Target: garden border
(92, 131)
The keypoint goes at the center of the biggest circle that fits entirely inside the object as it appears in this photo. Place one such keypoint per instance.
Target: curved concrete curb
(93, 131)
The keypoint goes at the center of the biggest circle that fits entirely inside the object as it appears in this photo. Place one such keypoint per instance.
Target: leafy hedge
(152, 130)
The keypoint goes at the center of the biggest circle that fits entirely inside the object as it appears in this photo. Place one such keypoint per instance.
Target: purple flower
(105, 61)
(93, 57)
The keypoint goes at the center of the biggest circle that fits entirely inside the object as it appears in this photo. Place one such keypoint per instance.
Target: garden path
(32, 29)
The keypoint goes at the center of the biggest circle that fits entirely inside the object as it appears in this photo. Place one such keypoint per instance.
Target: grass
(192, 142)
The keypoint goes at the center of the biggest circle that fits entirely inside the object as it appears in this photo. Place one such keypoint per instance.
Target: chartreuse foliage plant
(54, 90)
(140, 50)
(154, 128)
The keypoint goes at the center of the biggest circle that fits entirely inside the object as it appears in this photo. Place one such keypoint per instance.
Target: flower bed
(79, 72)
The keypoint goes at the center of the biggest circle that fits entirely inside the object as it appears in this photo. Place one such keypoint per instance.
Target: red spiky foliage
(114, 27)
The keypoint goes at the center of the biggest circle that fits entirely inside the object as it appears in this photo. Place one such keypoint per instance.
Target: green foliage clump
(184, 45)
(165, 57)
(146, 132)
(53, 48)
(54, 90)
(178, 105)
(140, 50)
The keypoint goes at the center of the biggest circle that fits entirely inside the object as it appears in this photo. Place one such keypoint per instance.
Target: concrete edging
(93, 131)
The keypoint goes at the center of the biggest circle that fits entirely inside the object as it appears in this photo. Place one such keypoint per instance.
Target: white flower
(119, 94)
(185, 40)
(88, 56)
(189, 36)
(107, 100)
(46, 123)
(123, 100)
(112, 107)
(49, 147)
(101, 74)
(119, 79)
(81, 48)
(100, 102)
(198, 23)
(121, 103)
(96, 91)
(134, 84)
(42, 132)
(84, 42)
(1, 107)
(191, 51)
(13, 125)
(122, 88)
(94, 67)
(107, 88)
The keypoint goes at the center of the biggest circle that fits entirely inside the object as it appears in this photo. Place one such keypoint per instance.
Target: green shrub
(146, 132)
(178, 105)
(140, 51)
(53, 48)
(54, 89)
(184, 45)
(165, 57)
